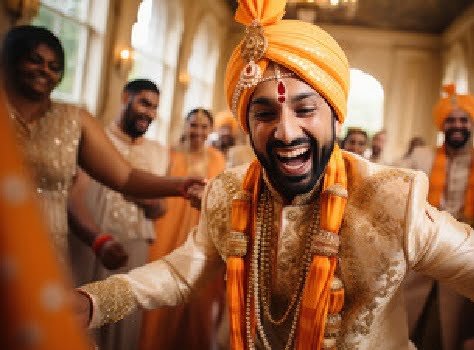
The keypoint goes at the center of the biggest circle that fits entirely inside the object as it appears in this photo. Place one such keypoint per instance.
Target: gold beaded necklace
(260, 272)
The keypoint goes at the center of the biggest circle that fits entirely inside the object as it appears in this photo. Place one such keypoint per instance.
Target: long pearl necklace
(260, 267)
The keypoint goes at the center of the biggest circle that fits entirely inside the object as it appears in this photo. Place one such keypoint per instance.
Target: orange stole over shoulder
(319, 299)
(438, 184)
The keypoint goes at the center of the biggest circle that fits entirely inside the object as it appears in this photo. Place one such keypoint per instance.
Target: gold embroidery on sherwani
(221, 192)
(376, 250)
(375, 212)
(113, 297)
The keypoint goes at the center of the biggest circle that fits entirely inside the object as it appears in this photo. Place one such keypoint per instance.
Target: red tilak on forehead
(281, 87)
(281, 91)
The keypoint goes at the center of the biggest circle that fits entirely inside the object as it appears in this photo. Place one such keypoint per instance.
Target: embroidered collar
(300, 199)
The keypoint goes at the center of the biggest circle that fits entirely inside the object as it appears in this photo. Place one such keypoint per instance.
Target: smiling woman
(57, 137)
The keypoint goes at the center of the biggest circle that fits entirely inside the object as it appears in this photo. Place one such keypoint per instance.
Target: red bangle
(99, 242)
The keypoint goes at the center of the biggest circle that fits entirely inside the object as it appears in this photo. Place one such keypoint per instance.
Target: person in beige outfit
(306, 230)
(438, 317)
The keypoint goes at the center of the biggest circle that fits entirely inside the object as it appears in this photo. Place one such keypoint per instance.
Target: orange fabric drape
(188, 326)
(318, 299)
(33, 294)
(438, 184)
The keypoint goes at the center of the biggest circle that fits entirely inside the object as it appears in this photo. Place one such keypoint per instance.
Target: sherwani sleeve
(165, 282)
(436, 244)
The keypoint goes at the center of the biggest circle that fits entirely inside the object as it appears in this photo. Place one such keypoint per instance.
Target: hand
(194, 195)
(186, 182)
(112, 255)
(82, 308)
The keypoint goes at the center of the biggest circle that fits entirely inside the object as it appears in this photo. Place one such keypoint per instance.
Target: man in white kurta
(129, 221)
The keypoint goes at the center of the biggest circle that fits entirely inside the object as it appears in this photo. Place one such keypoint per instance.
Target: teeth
(291, 154)
(292, 167)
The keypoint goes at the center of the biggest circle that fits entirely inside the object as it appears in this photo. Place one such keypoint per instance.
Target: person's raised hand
(194, 196)
(186, 183)
(112, 255)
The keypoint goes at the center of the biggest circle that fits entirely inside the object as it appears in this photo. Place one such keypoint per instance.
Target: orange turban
(303, 48)
(446, 105)
(225, 118)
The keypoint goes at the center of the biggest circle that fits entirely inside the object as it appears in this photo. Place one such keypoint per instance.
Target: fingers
(194, 196)
(113, 255)
(190, 182)
(198, 180)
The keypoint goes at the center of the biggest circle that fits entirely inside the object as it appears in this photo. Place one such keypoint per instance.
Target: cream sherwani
(387, 229)
(454, 311)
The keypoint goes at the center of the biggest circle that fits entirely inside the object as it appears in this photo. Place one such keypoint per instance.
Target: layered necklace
(260, 274)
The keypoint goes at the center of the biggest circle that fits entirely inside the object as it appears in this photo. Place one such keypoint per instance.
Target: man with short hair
(306, 230)
(118, 228)
(438, 317)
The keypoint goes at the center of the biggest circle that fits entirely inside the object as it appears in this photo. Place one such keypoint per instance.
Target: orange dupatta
(438, 184)
(319, 299)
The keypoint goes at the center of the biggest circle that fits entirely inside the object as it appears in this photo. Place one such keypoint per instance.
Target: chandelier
(325, 3)
(306, 7)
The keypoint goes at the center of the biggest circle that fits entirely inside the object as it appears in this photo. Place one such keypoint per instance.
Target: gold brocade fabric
(50, 145)
(387, 228)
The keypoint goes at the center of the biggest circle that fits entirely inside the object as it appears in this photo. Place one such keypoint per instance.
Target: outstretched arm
(437, 245)
(99, 158)
(165, 282)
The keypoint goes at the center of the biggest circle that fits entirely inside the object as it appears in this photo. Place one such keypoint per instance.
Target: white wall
(408, 66)
(458, 52)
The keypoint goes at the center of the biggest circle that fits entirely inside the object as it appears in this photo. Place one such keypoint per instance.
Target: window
(82, 33)
(155, 39)
(456, 69)
(366, 103)
(202, 66)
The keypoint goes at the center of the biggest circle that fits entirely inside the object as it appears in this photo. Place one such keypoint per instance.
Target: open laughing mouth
(142, 123)
(294, 161)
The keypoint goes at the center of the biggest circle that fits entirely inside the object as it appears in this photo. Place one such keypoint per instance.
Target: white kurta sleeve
(165, 282)
(436, 244)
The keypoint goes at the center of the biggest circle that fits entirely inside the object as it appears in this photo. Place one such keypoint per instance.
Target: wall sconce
(124, 61)
(23, 9)
(184, 78)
